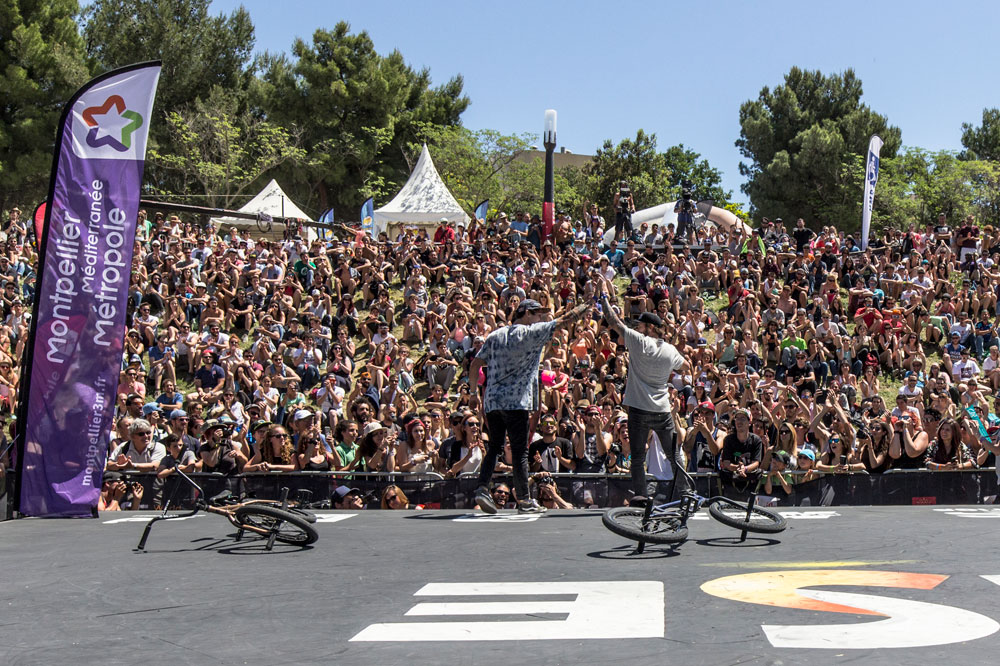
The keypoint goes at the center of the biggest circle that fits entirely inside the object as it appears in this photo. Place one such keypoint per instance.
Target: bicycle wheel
(307, 516)
(628, 521)
(734, 514)
(289, 527)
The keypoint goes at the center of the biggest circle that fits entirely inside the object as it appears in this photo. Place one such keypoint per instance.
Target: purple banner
(85, 264)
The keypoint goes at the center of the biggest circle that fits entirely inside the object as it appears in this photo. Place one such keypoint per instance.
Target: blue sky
(680, 70)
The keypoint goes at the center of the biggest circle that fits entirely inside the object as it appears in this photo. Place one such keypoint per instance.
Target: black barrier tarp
(892, 488)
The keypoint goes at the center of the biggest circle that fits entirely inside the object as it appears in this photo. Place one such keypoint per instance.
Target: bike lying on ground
(273, 520)
(667, 523)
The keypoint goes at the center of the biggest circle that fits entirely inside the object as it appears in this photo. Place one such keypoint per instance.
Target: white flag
(871, 179)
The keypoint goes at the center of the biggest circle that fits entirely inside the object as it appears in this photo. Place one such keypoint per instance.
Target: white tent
(271, 200)
(422, 202)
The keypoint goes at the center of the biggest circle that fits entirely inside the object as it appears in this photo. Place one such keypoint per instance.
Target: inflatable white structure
(664, 215)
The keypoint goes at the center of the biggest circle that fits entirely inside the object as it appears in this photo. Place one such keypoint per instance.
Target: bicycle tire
(291, 528)
(734, 514)
(627, 521)
(308, 516)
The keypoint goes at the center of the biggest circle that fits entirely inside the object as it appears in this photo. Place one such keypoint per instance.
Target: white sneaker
(530, 506)
(485, 501)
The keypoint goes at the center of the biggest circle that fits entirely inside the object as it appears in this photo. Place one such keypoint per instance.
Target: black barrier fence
(897, 487)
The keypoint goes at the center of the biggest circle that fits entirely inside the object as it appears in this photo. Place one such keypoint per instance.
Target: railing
(895, 487)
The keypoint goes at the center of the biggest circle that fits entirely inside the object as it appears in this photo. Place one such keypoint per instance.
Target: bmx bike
(272, 520)
(667, 523)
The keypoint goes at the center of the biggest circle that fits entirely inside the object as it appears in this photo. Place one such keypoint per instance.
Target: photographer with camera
(685, 209)
(217, 453)
(548, 493)
(624, 207)
(115, 492)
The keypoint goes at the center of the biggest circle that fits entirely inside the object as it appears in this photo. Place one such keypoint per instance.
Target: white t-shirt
(964, 370)
(657, 464)
(651, 362)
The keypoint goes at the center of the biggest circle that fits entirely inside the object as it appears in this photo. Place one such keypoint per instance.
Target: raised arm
(614, 321)
(571, 316)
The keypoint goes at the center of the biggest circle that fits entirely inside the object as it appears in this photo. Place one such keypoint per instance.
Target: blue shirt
(512, 355)
(616, 257)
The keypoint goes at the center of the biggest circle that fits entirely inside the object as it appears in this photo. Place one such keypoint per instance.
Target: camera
(546, 481)
(687, 196)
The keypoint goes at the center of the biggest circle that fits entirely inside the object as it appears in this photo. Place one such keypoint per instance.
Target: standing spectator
(511, 356)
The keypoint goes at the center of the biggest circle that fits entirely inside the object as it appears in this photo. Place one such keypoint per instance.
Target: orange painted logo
(780, 588)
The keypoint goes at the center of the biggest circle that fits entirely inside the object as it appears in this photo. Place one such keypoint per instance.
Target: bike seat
(220, 498)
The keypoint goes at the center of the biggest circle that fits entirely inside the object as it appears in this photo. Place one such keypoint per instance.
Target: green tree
(357, 112)
(797, 140)
(635, 161)
(653, 177)
(685, 164)
(219, 151)
(198, 50)
(943, 183)
(41, 65)
(983, 142)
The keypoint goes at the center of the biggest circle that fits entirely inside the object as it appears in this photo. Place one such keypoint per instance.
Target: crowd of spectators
(250, 354)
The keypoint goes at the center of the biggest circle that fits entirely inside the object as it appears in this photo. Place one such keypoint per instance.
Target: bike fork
(645, 521)
(746, 521)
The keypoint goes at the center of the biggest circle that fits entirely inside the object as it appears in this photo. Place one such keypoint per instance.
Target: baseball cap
(178, 414)
(707, 404)
(651, 318)
(302, 414)
(342, 492)
(529, 304)
(150, 407)
(374, 427)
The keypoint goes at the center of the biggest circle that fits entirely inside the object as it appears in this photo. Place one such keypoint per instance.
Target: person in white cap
(652, 361)
(511, 356)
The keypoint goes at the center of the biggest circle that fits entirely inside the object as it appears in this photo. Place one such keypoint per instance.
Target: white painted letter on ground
(596, 611)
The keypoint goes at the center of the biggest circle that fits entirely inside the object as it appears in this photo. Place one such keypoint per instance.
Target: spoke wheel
(630, 522)
(286, 526)
(734, 514)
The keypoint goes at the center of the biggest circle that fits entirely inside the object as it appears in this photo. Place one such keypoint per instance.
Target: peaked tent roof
(271, 200)
(423, 199)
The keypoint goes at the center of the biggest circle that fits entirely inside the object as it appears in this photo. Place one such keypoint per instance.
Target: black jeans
(512, 424)
(640, 422)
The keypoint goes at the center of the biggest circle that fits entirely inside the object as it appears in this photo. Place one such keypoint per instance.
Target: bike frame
(201, 504)
(689, 504)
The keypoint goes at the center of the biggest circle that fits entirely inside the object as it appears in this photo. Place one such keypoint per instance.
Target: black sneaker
(639, 501)
(485, 502)
(530, 506)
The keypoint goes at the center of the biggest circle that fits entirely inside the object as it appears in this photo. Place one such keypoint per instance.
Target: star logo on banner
(111, 124)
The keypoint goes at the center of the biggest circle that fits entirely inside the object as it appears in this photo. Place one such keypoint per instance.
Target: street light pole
(548, 204)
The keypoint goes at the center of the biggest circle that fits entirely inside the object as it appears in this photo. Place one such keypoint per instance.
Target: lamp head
(549, 135)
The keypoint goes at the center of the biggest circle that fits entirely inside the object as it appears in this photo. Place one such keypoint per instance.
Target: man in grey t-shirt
(651, 363)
